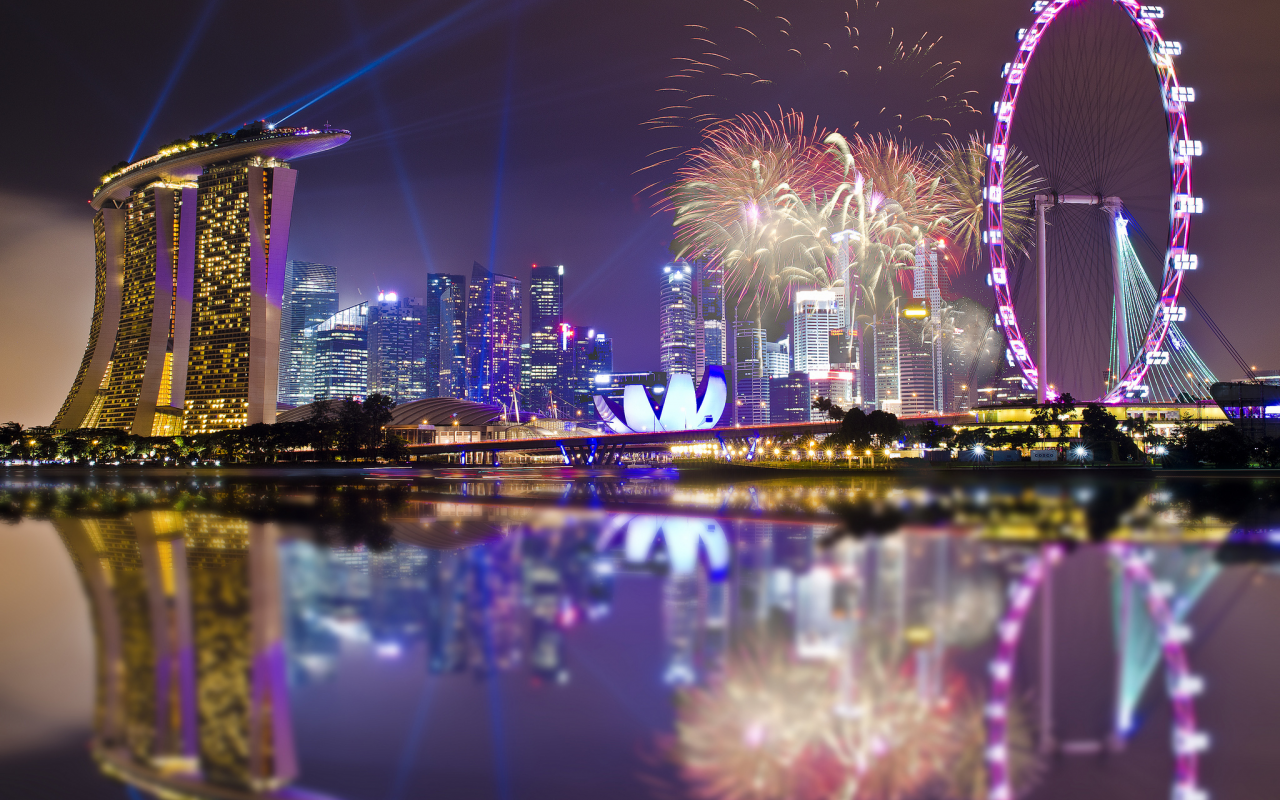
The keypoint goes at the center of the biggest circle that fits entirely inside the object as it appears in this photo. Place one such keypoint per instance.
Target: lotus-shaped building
(681, 408)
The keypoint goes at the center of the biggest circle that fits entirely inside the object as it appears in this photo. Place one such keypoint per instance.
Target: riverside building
(190, 250)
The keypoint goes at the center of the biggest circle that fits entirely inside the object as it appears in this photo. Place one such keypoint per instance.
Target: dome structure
(429, 411)
(680, 409)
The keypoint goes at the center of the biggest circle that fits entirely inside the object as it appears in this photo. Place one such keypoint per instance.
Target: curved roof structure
(429, 411)
(443, 411)
(186, 162)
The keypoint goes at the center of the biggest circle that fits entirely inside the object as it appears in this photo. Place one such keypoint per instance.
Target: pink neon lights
(1188, 740)
(1182, 203)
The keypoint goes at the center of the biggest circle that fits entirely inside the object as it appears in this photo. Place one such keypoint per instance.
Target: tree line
(1104, 436)
(350, 431)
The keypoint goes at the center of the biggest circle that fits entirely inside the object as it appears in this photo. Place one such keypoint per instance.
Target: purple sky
(573, 80)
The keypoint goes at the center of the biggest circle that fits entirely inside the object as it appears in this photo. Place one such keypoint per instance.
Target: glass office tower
(310, 297)
(446, 335)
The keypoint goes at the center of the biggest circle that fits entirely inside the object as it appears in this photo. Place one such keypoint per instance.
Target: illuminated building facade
(446, 336)
(341, 348)
(750, 382)
(310, 297)
(709, 323)
(398, 347)
(814, 317)
(676, 335)
(789, 398)
(494, 305)
(884, 364)
(190, 253)
(593, 357)
(843, 348)
(777, 358)
(918, 375)
(546, 339)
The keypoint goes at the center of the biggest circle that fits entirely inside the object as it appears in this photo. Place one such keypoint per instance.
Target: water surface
(637, 634)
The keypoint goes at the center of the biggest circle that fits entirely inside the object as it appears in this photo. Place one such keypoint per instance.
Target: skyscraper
(398, 347)
(675, 319)
(814, 316)
(917, 362)
(777, 358)
(446, 336)
(709, 322)
(341, 348)
(190, 252)
(884, 362)
(493, 336)
(750, 383)
(593, 357)
(546, 313)
(310, 297)
(789, 399)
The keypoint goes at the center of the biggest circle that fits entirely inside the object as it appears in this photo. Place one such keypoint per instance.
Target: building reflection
(858, 656)
(190, 652)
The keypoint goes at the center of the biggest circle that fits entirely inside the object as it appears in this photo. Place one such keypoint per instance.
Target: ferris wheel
(1143, 333)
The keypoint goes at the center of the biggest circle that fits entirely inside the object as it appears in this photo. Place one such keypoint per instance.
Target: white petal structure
(682, 537)
(681, 408)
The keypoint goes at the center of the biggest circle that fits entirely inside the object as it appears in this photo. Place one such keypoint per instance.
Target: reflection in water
(831, 656)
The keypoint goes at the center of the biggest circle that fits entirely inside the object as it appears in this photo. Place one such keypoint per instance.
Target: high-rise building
(750, 383)
(917, 373)
(341, 348)
(835, 385)
(884, 362)
(613, 385)
(777, 358)
(593, 357)
(190, 252)
(952, 378)
(843, 347)
(446, 336)
(494, 305)
(310, 297)
(789, 399)
(546, 339)
(676, 333)
(710, 347)
(814, 316)
(398, 347)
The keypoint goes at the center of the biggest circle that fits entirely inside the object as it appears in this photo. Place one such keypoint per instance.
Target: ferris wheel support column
(1113, 207)
(1042, 307)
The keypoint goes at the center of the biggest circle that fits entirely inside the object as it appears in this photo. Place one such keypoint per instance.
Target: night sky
(510, 133)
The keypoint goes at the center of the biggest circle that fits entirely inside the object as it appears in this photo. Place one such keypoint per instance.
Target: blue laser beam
(650, 226)
(192, 40)
(425, 33)
(331, 55)
(393, 151)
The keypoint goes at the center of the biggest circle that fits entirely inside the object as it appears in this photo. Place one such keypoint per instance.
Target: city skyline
(596, 185)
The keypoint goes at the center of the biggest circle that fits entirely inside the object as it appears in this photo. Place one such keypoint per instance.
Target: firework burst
(962, 164)
(772, 727)
(863, 61)
(731, 202)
